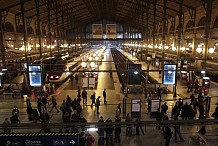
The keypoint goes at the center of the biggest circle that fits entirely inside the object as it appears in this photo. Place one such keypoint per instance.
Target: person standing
(104, 95)
(6, 122)
(101, 132)
(164, 108)
(117, 130)
(54, 104)
(76, 78)
(78, 92)
(39, 106)
(128, 127)
(109, 132)
(84, 96)
(158, 117)
(97, 104)
(167, 136)
(93, 99)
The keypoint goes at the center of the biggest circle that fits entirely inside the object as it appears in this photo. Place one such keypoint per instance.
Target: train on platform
(62, 70)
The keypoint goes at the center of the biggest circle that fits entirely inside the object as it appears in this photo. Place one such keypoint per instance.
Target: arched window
(20, 29)
(179, 26)
(160, 30)
(38, 32)
(44, 33)
(30, 30)
(215, 24)
(201, 23)
(8, 27)
(189, 26)
(171, 29)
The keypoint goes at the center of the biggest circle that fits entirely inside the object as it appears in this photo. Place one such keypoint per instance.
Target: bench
(12, 94)
(17, 90)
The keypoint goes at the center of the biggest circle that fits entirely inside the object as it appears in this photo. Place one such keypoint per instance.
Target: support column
(24, 27)
(57, 28)
(49, 24)
(207, 31)
(154, 23)
(2, 39)
(180, 28)
(164, 33)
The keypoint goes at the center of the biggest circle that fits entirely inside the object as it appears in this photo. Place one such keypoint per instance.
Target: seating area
(12, 90)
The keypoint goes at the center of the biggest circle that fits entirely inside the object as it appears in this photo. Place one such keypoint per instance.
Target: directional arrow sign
(72, 142)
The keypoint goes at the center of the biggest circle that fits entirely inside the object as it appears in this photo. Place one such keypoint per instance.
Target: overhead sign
(169, 74)
(111, 31)
(35, 75)
(97, 31)
(41, 139)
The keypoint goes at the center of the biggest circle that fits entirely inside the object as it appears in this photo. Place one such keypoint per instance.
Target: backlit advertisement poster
(136, 107)
(111, 31)
(35, 75)
(169, 74)
(155, 104)
(97, 31)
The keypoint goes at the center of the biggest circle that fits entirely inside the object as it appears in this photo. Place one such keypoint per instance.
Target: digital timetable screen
(35, 75)
(169, 74)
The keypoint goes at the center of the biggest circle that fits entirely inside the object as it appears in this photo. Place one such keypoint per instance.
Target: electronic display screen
(35, 75)
(169, 75)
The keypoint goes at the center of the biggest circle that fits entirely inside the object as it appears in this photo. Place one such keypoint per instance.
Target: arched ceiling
(81, 12)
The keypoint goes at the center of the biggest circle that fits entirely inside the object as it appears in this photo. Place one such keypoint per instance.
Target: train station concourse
(108, 72)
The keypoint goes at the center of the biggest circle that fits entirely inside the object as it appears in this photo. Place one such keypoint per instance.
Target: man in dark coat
(104, 95)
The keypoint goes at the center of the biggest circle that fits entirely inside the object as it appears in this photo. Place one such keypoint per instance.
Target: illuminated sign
(111, 31)
(169, 75)
(97, 30)
(35, 75)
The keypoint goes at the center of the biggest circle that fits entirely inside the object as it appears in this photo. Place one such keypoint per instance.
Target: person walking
(177, 132)
(54, 104)
(104, 95)
(97, 104)
(101, 132)
(84, 96)
(167, 136)
(93, 99)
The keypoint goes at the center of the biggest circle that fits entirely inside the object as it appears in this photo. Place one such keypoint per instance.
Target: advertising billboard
(169, 74)
(97, 31)
(111, 31)
(35, 75)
